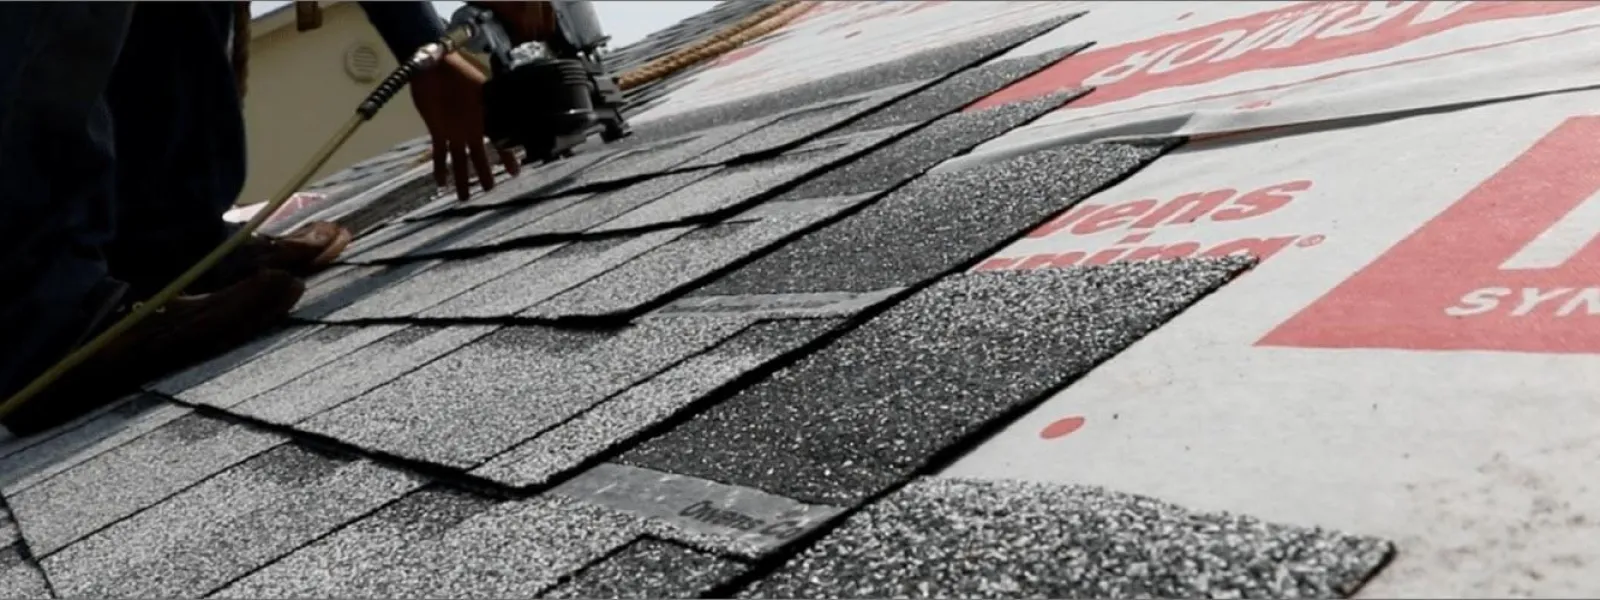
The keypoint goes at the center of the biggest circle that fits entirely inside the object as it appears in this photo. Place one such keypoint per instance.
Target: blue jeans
(121, 145)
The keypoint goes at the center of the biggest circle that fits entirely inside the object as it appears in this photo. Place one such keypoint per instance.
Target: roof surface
(868, 308)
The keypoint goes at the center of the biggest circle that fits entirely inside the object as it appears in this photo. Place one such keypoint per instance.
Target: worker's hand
(449, 97)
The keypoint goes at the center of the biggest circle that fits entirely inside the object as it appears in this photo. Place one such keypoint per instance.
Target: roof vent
(361, 62)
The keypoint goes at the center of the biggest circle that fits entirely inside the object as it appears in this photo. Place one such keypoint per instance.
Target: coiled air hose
(752, 27)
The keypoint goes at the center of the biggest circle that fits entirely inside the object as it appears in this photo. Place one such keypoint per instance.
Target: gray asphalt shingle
(509, 386)
(954, 538)
(944, 363)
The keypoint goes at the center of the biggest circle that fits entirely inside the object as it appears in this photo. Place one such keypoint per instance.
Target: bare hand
(449, 97)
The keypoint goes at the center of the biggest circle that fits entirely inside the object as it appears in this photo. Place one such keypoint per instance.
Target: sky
(626, 21)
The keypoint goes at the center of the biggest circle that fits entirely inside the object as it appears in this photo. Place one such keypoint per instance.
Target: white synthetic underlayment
(1416, 357)
(1445, 397)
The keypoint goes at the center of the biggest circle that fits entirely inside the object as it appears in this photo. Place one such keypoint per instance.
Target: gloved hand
(449, 97)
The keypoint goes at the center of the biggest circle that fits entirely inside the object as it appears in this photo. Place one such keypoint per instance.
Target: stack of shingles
(772, 432)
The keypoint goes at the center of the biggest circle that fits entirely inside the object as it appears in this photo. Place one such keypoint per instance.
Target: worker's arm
(404, 26)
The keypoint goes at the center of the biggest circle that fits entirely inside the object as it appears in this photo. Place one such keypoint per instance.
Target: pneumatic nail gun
(547, 96)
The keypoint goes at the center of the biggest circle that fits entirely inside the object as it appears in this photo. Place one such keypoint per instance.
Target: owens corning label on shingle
(751, 520)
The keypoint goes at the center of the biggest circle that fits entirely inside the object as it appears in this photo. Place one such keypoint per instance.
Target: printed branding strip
(789, 306)
(752, 522)
(1514, 256)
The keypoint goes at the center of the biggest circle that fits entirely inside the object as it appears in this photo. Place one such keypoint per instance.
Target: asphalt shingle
(358, 372)
(639, 157)
(19, 578)
(781, 306)
(650, 403)
(563, 269)
(736, 188)
(673, 267)
(927, 64)
(272, 369)
(803, 123)
(225, 527)
(971, 213)
(437, 283)
(729, 520)
(177, 383)
(912, 155)
(938, 366)
(964, 88)
(950, 538)
(132, 477)
(605, 206)
(441, 544)
(650, 568)
(48, 455)
(509, 386)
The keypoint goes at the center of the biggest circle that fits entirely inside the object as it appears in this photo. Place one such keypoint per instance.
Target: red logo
(1513, 266)
(1294, 36)
(1140, 219)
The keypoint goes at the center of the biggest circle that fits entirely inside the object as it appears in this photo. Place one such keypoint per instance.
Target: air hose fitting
(424, 58)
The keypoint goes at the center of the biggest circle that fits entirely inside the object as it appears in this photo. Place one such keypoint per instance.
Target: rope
(761, 23)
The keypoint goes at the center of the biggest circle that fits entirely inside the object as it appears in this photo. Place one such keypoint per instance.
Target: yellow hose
(756, 25)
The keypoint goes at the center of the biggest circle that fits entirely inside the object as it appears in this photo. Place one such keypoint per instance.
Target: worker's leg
(60, 143)
(56, 177)
(180, 141)
(180, 138)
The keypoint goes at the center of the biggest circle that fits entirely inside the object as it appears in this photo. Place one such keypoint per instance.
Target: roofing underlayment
(1068, 299)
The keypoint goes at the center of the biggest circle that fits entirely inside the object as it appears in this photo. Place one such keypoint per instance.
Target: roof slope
(878, 318)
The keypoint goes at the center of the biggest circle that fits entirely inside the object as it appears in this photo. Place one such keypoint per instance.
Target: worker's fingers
(480, 162)
(440, 159)
(462, 172)
(512, 164)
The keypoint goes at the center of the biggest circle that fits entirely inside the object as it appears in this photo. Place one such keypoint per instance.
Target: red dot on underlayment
(1061, 428)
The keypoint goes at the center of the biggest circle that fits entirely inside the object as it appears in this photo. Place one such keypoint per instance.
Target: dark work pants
(121, 145)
